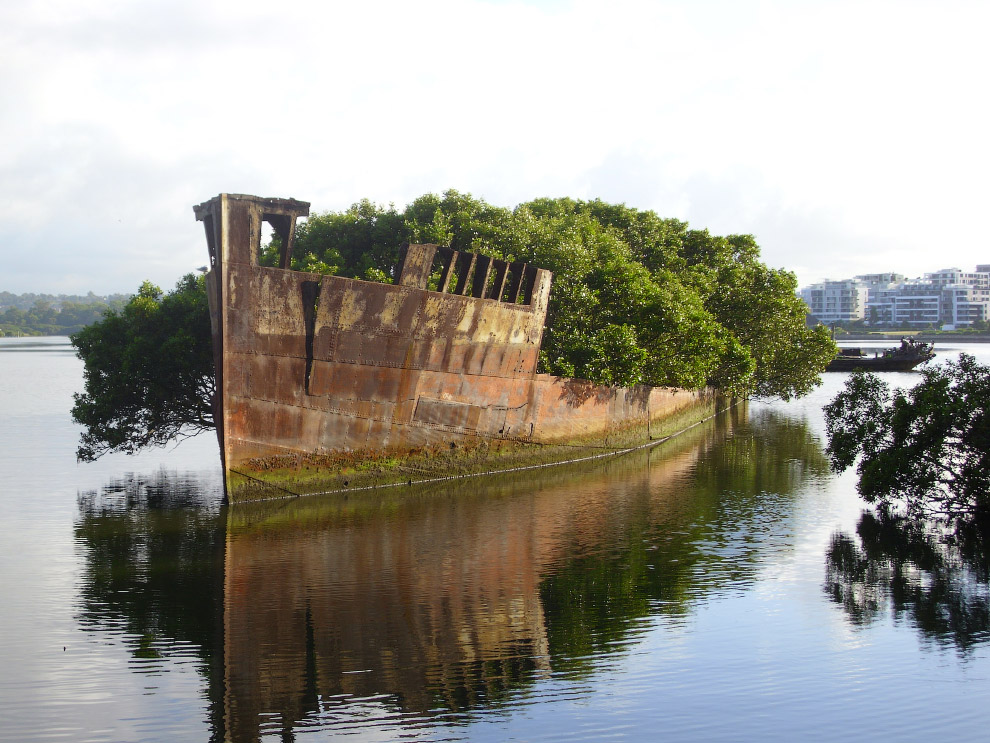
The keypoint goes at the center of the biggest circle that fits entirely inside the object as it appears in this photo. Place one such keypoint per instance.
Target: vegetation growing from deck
(636, 299)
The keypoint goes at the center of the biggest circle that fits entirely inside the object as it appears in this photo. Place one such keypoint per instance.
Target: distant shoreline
(894, 335)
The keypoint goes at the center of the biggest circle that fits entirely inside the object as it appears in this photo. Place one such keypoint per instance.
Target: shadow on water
(899, 569)
(430, 602)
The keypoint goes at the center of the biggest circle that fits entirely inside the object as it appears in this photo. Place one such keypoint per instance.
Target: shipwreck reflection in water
(401, 606)
(909, 573)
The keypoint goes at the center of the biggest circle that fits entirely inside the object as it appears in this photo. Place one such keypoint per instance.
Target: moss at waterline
(361, 504)
(291, 475)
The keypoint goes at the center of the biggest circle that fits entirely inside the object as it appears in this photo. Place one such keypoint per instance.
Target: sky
(847, 137)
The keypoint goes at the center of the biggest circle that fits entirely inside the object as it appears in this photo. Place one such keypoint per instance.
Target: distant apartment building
(949, 298)
(917, 303)
(880, 280)
(955, 277)
(837, 301)
(882, 288)
(963, 305)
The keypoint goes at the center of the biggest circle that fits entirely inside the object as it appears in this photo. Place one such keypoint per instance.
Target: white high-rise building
(836, 301)
(949, 298)
(879, 302)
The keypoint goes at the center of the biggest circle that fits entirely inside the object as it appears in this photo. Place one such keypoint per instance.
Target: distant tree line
(49, 314)
(861, 326)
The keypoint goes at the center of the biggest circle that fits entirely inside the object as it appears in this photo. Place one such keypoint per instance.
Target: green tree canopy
(636, 298)
(148, 371)
(924, 450)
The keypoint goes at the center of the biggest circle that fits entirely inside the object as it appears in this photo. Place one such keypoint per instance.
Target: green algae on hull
(288, 476)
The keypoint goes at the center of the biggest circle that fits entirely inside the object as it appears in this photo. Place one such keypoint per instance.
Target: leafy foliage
(926, 449)
(148, 371)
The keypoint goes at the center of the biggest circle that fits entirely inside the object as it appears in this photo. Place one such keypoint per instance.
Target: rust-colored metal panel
(417, 264)
(447, 413)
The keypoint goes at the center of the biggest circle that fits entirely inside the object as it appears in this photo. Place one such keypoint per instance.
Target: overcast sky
(848, 137)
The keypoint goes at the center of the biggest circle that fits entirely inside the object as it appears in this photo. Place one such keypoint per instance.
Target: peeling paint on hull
(327, 383)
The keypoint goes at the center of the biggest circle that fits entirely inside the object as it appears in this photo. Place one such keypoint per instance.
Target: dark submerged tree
(923, 450)
(148, 371)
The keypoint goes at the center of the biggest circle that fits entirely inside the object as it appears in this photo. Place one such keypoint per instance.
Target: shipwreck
(327, 383)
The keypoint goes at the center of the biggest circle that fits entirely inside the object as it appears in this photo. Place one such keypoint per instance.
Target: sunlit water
(682, 593)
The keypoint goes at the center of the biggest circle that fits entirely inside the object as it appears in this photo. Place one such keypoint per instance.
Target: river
(691, 592)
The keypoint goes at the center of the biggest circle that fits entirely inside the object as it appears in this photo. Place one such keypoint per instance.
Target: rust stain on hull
(321, 372)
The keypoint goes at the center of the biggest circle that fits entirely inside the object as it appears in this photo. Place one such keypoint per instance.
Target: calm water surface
(692, 592)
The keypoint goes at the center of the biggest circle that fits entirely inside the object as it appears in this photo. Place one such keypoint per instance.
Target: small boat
(905, 357)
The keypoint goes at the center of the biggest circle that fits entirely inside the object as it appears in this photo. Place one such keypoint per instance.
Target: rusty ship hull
(327, 383)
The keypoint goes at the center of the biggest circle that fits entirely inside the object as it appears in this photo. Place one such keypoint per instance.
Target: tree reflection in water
(431, 602)
(912, 573)
(697, 533)
(154, 572)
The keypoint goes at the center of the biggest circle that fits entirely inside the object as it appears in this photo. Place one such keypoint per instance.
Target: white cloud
(841, 134)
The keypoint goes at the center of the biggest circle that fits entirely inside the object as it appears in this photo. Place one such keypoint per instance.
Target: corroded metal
(312, 365)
